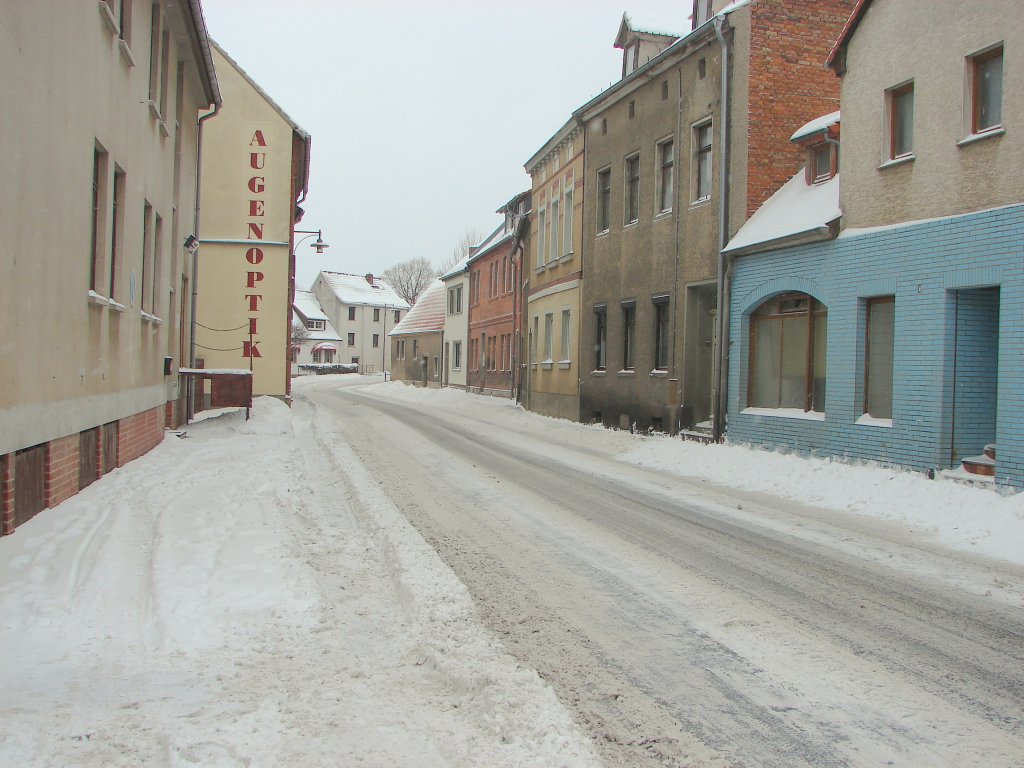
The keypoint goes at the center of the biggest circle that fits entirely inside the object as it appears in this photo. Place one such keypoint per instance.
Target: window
(549, 322)
(901, 121)
(567, 223)
(354, 360)
(351, 339)
(415, 348)
(542, 237)
(400, 350)
(376, 340)
(787, 353)
(987, 90)
(154, 288)
(628, 336)
(661, 333)
(702, 161)
(398, 315)
(317, 356)
(878, 356)
(147, 253)
(376, 314)
(328, 355)
(664, 90)
(666, 177)
(455, 300)
(604, 199)
(295, 354)
(351, 313)
(117, 221)
(553, 251)
(600, 338)
(154, 56)
(533, 340)
(99, 212)
(124, 21)
(632, 108)
(457, 355)
(701, 12)
(315, 325)
(632, 189)
(566, 328)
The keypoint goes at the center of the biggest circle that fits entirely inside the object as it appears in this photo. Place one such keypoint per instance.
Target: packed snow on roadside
(246, 596)
(971, 518)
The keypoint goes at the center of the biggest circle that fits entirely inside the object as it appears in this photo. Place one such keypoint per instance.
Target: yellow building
(552, 376)
(99, 124)
(255, 163)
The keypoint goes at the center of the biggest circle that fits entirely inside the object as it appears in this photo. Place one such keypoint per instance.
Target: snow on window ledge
(117, 306)
(126, 52)
(99, 301)
(598, 373)
(658, 373)
(868, 420)
(546, 364)
(564, 365)
(897, 161)
(785, 413)
(108, 16)
(627, 372)
(151, 318)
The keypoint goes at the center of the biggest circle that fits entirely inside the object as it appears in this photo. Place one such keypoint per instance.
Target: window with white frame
(542, 231)
(553, 251)
(702, 161)
(632, 189)
(351, 313)
(315, 325)
(666, 175)
(457, 355)
(351, 339)
(566, 333)
(455, 300)
(549, 323)
(567, 215)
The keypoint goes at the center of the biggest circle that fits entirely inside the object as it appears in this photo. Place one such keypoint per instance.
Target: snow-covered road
(690, 625)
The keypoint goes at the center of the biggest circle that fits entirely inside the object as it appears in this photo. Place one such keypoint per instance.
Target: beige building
(418, 340)
(915, 142)
(255, 164)
(99, 123)
(456, 325)
(551, 384)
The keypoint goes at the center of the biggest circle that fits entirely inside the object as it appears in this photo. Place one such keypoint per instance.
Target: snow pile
(245, 596)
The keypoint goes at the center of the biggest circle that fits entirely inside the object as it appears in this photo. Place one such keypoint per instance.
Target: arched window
(788, 335)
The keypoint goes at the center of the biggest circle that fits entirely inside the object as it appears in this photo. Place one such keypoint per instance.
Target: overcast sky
(422, 112)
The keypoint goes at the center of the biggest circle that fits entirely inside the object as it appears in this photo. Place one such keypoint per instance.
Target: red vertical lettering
(257, 184)
(252, 325)
(255, 229)
(254, 256)
(254, 301)
(252, 278)
(257, 160)
(255, 207)
(257, 139)
(251, 349)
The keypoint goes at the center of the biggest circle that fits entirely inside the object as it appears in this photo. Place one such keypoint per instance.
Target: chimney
(369, 278)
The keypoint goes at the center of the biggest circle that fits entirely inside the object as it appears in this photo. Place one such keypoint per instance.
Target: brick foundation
(6, 494)
(61, 469)
(139, 434)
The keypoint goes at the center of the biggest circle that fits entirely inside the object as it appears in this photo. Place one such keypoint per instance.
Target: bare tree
(410, 278)
(300, 333)
(469, 238)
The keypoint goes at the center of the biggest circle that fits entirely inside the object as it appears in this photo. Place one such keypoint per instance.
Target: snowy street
(385, 575)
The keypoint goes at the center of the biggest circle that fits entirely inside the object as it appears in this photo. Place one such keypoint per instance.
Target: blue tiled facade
(958, 378)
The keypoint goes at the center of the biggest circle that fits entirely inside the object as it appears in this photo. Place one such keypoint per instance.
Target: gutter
(721, 362)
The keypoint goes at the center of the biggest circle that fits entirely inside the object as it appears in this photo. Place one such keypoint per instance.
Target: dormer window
(820, 141)
(315, 325)
(823, 163)
(701, 12)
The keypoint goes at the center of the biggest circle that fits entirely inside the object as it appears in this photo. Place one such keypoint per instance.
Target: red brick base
(136, 435)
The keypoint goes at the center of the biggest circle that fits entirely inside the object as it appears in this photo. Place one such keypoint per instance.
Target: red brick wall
(61, 469)
(138, 434)
(789, 84)
(490, 314)
(6, 494)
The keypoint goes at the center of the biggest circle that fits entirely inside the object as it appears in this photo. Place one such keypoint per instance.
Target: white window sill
(785, 413)
(700, 201)
(163, 129)
(867, 420)
(564, 365)
(667, 213)
(108, 17)
(151, 318)
(126, 52)
(658, 373)
(546, 365)
(154, 110)
(976, 137)
(117, 306)
(95, 298)
(598, 373)
(627, 373)
(904, 159)
(603, 233)
(630, 224)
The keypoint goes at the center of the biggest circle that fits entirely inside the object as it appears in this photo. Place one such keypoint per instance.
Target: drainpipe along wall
(721, 361)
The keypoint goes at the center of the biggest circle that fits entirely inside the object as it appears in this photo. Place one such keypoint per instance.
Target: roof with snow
(306, 305)
(818, 125)
(798, 213)
(427, 314)
(458, 269)
(663, 27)
(366, 290)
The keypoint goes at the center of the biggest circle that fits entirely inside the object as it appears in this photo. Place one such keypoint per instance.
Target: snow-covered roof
(427, 314)
(817, 125)
(458, 269)
(359, 290)
(799, 212)
(307, 305)
(496, 238)
(648, 25)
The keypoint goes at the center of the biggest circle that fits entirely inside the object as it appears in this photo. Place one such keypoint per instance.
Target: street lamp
(320, 245)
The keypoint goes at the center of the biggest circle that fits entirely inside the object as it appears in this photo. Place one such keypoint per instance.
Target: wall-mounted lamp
(320, 245)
